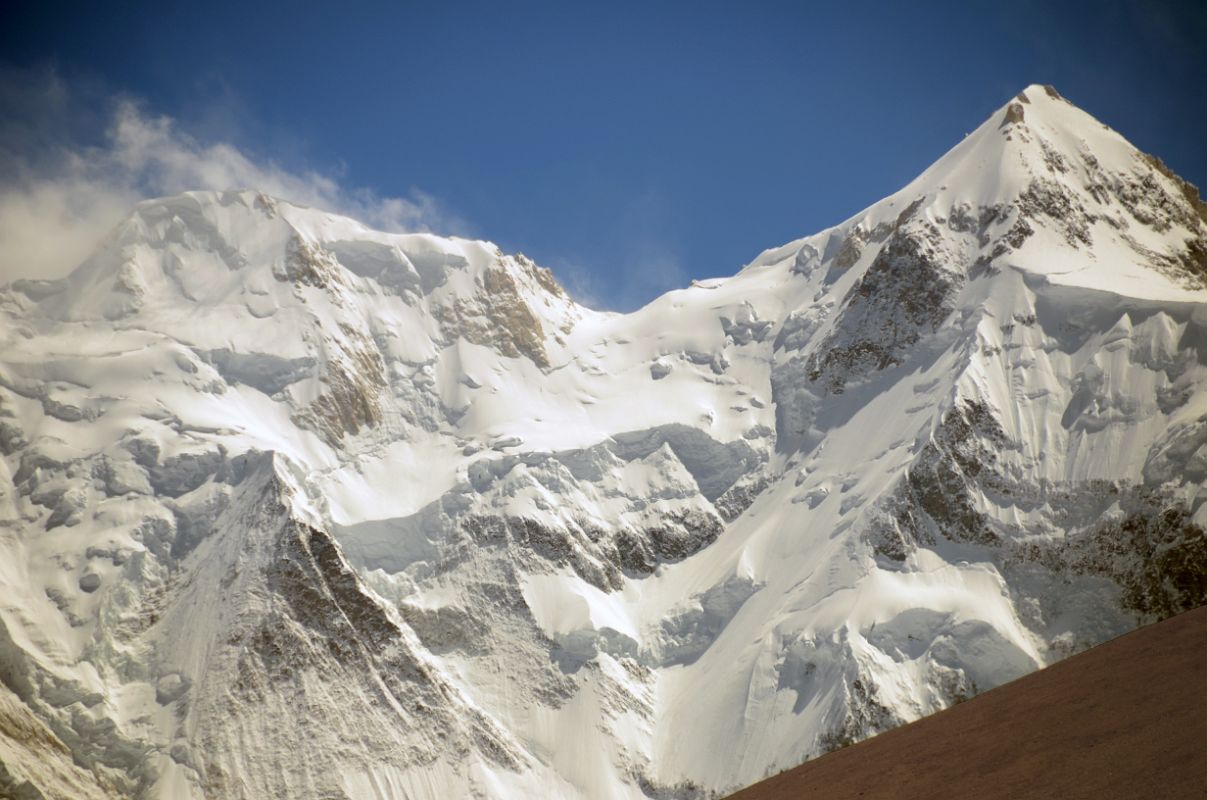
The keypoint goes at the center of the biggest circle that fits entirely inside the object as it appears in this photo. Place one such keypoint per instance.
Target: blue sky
(630, 147)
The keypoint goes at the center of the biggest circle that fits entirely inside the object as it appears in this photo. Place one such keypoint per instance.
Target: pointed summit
(1043, 187)
(1042, 93)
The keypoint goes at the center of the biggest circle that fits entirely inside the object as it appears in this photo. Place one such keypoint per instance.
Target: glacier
(290, 507)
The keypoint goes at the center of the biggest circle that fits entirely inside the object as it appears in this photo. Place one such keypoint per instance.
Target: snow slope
(291, 507)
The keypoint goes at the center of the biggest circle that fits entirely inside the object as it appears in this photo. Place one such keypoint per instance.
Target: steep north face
(291, 507)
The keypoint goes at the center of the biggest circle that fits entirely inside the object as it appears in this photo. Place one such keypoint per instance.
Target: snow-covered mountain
(294, 508)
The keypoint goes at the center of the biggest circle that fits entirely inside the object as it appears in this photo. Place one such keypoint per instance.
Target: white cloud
(60, 193)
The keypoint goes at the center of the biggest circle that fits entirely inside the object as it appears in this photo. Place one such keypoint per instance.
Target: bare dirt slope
(1125, 719)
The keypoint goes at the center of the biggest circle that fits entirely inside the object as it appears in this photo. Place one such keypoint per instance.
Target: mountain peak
(1040, 92)
(1043, 187)
(249, 256)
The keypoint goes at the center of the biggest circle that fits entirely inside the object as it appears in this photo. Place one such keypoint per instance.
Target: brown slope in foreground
(1126, 719)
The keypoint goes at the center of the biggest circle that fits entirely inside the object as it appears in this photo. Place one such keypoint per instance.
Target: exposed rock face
(352, 382)
(305, 628)
(308, 264)
(497, 316)
(904, 294)
(289, 507)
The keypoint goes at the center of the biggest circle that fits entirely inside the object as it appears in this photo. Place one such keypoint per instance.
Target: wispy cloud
(74, 161)
(644, 261)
